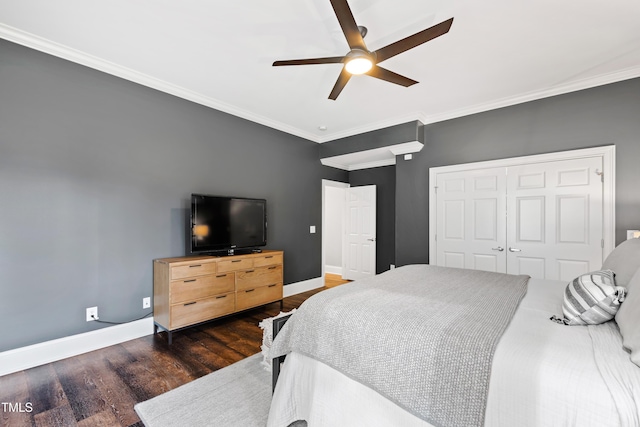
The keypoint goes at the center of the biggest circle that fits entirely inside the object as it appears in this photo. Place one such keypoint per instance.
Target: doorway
(348, 230)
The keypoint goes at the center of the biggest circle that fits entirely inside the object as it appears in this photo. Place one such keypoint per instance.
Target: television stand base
(231, 252)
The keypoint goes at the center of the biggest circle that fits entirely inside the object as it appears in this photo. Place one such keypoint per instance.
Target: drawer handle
(273, 268)
(270, 256)
(236, 260)
(250, 290)
(196, 265)
(271, 286)
(221, 296)
(222, 275)
(192, 280)
(190, 303)
(249, 271)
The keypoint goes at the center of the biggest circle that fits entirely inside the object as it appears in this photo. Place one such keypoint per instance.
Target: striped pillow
(592, 298)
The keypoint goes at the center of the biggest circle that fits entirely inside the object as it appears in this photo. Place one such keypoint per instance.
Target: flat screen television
(227, 225)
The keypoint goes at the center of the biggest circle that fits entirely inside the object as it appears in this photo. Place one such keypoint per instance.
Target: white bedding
(543, 374)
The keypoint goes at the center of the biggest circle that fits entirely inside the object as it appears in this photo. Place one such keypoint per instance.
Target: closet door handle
(514, 249)
(499, 249)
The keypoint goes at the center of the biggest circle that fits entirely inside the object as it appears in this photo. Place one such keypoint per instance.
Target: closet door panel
(471, 225)
(454, 220)
(529, 220)
(486, 262)
(554, 213)
(573, 218)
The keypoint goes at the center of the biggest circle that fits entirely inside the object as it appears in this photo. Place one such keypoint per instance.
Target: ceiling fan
(360, 60)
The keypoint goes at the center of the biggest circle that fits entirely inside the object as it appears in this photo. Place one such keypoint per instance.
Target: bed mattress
(543, 374)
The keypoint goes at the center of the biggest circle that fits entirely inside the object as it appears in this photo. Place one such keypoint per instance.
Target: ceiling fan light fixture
(359, 65)
(358, 61)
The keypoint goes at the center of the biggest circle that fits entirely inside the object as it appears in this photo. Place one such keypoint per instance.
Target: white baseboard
(333, 269)
(50, 351)
(304, 286)
(34, 355)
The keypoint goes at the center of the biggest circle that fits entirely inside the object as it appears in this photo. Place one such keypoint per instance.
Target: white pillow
(592, 298)
(628, 319)
(624, 260)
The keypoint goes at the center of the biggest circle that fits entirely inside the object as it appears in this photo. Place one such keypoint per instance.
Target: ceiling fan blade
(384, 74)
(412, 41)
(343, 78)
(348, 24)
(330, 60)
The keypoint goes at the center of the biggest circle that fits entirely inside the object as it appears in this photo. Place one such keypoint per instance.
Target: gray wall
(96, 172)
(95, 178)
(384, 178)
(600, 116)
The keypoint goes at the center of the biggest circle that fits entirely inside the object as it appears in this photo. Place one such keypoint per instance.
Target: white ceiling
(498, 53)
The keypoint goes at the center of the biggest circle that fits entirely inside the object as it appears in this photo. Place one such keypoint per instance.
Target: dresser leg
(281, 304)
(170, 335)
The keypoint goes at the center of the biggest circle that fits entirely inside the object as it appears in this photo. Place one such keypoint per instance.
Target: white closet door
(555, 223)
(471, 224)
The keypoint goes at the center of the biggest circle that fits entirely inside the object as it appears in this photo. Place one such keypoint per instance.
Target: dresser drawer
(267, 260)
(260, 276)
(201, 287)
(234, 264)
(258, 296)
(192, 270)
(200, 310)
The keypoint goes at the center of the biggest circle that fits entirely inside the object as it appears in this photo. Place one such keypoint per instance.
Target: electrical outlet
(92, 314)
(146, 302)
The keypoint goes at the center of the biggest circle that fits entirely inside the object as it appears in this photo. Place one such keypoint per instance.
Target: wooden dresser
(191, 290)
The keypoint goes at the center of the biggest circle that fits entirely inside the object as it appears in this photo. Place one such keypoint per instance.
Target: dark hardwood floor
(100, 388)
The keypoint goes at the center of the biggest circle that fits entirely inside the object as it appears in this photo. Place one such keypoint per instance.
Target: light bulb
(359, 65)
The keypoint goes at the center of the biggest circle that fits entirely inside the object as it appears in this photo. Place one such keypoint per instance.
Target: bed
(540, 373)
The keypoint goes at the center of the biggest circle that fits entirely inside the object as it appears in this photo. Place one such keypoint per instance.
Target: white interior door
(360, 239)
(471, 222)
(555, 213)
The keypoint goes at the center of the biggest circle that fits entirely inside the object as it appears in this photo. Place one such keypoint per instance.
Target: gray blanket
(420, 335)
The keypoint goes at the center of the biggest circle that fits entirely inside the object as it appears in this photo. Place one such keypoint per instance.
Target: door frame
(607, 152)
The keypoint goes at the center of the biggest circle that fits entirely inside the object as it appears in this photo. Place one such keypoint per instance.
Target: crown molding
(65, 52)
(587, 83)
(43, 45)
(424, 118)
